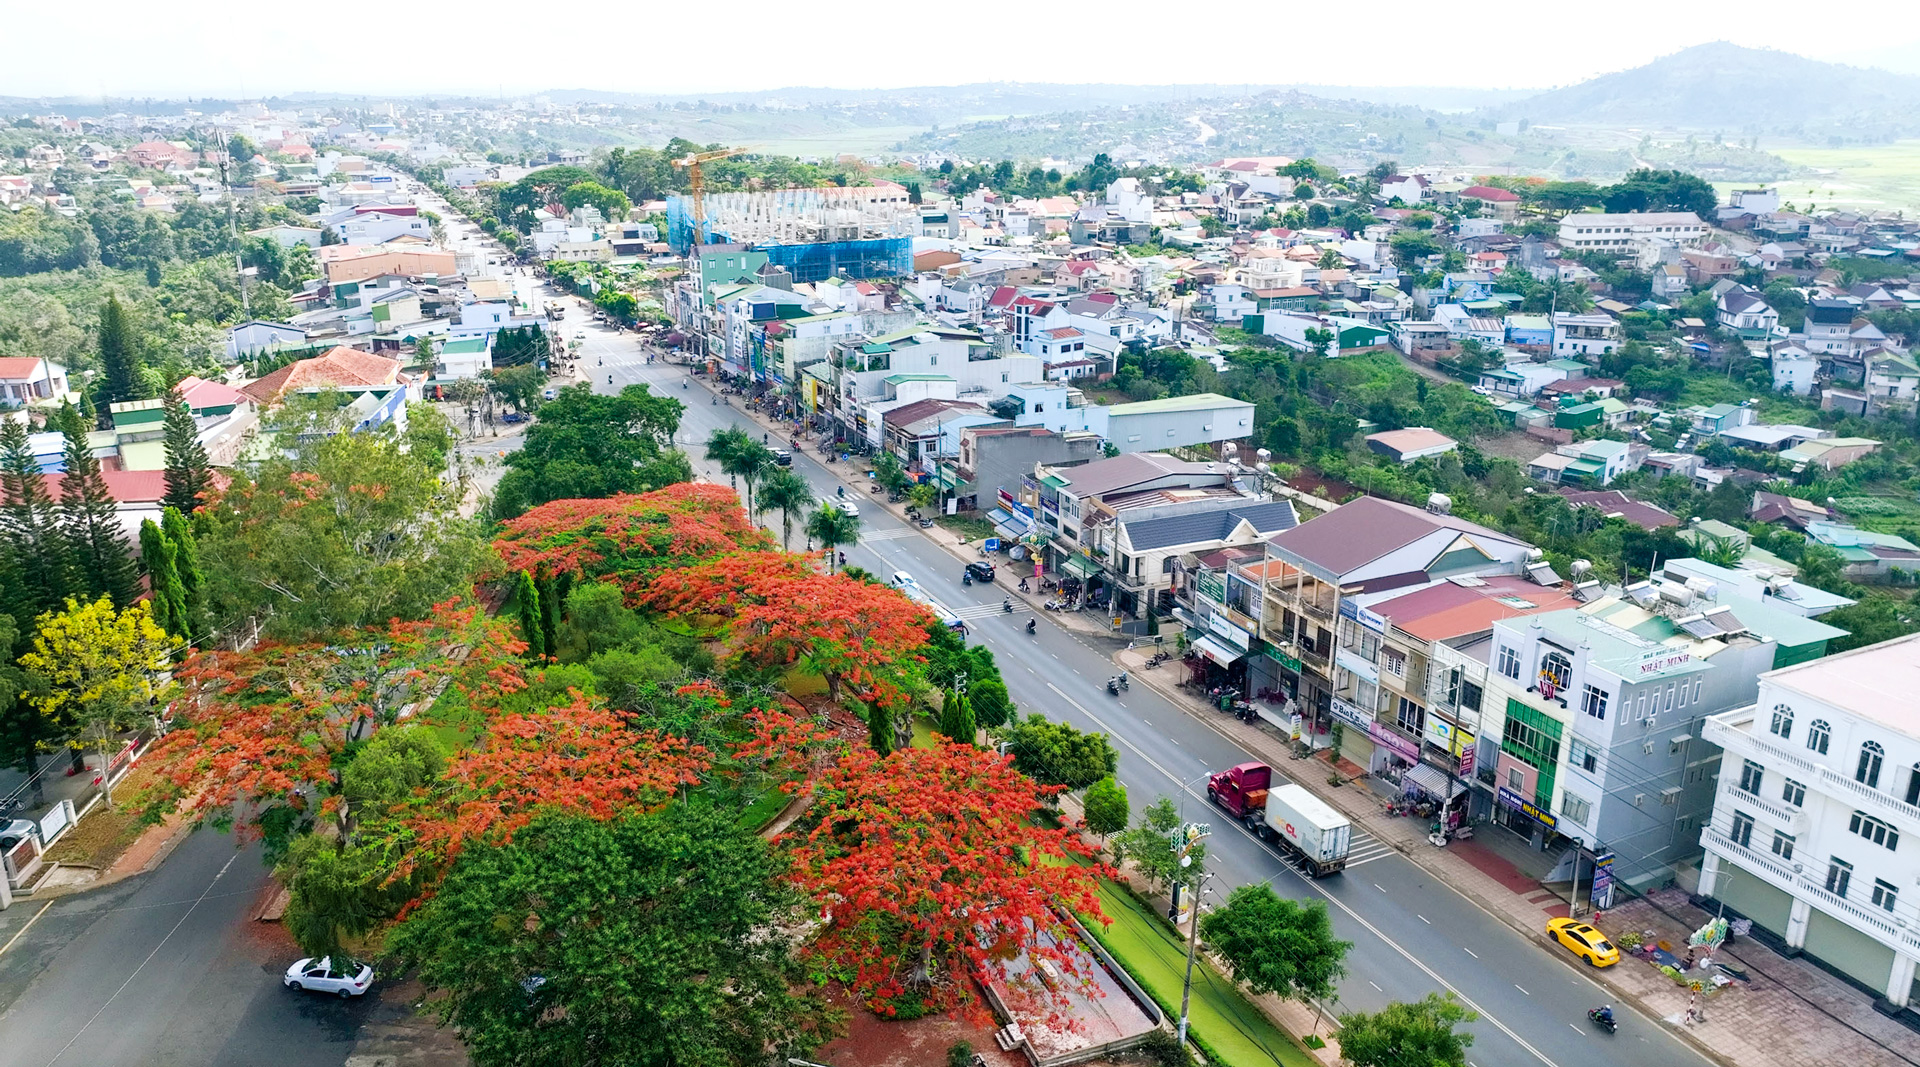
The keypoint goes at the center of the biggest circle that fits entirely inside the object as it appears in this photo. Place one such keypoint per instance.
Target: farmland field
(1872, 177)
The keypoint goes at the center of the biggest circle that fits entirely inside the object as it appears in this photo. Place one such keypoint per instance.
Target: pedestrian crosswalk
(894, 534)
(1366, 848)
(974, 612)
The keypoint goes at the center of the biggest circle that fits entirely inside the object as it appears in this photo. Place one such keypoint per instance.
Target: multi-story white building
(1629, 232)
(1819, 785)
(1577, 335)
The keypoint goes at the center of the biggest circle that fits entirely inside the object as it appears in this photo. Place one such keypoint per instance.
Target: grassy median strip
(1226, 1026)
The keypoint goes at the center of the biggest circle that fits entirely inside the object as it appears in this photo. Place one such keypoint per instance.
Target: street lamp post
(1190, 834)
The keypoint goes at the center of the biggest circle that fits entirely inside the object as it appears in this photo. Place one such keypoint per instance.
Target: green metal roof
(899, 379)
(464, 346)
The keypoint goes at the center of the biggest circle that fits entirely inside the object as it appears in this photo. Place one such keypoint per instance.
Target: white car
(842, 504)
(901, 579)
(350, 979)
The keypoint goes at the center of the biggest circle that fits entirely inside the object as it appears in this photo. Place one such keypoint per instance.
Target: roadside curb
(162, 839)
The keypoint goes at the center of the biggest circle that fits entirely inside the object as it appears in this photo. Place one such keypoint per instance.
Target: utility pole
(1187, 836)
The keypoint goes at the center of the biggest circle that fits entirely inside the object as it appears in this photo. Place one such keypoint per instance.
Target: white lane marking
(1149, 722)
(1521, 988)
(1577, 1030)
(135, 973)
(1181, 786)
(1375, 985)
(18, 934)
(1471, 952)
(1423, 918)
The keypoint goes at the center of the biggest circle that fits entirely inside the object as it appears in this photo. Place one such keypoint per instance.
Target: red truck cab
(1242, 789)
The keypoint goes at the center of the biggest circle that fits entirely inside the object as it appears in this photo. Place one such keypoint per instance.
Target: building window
(1783, 844)
(1884, 895)
(1742, 834)
(1751, 774)
(1509, 662)
(1817, 734)
(1794, 793)
(1880, 833)
(1581, 756)
(1516, 780)
(1839, 874)
(1782, 721)
(1470, 693)
(1593, 702)
(1913, 785)
(1558, 669)
(1393, 662)
(1574, 808)
(1868, 772)
(1413, 717)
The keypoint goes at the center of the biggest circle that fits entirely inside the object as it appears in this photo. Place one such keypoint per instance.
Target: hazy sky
(222, 47)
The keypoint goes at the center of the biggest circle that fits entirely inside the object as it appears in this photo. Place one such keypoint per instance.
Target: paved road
(1411, 935)
(169, 968)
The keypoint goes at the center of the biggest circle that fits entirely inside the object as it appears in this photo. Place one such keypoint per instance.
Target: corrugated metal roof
(1266, 518)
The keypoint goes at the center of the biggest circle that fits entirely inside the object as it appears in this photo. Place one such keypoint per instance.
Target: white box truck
(1307, 827)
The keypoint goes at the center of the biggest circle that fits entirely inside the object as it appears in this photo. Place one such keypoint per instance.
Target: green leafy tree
(659, 940)
(612, 203)
(189, 470)
(30, 527)
(1423, 1032)
(956, 718)
(888, 472)
(186, 568)
(586, 446)
(880, 730)
(520, 386)
(527, 602)
(1276, 945)
(167, 595)
(1106, 807)
(740, 456)
(349, 530)
(597, 620)
(832, 528)
(992, 706)
(90, 520)
(1873, 620)
(1150, 845)
(1056, 753)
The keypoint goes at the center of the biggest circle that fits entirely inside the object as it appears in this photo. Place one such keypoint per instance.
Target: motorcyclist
(1006, 604)
(1604, 1014)
(1122, 679)
(609, 379)
(1032, 625)
(843, 559)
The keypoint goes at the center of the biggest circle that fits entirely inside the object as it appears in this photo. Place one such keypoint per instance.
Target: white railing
(1744, 742)
(1879, 923)
(1792, 819)
(1868, 797)
(1782, 874)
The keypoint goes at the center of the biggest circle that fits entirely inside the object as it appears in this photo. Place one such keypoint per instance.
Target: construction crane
(692, 165)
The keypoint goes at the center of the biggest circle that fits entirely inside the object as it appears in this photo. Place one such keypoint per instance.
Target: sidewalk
(1792, 1014)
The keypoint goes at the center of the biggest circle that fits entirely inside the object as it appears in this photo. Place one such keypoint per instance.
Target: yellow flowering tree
(96, 672)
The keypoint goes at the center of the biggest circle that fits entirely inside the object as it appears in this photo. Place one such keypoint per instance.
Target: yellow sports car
(1583, 941)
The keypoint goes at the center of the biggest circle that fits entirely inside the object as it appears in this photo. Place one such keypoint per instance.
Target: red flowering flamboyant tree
(630, 539)
(929, 870)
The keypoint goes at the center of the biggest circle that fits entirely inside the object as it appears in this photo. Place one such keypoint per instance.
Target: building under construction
(863, 231)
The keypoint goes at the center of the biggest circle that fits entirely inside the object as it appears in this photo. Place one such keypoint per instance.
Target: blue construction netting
(880, 257)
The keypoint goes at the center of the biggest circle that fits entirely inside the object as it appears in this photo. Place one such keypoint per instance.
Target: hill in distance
(1722, 86)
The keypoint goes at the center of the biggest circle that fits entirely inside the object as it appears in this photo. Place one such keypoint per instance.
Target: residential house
(1410, 188)
(1829, 453)
(1584, 335)
(1179, 422)
(1821, 776)
(1766, 584)
(1594, 464)
(379, 391)
(138, 496)
(1500, 203)
(463, 357)
(1405, 446)
(1464, 325)
(1718, 419)
(1313, 573)
(994, 462)
(1529, 331)
(1785, 510)
(1742, 312)
(1066, 501)
(1521, 378)
(1794, 367)
(1829, 325)
(1865, 554)
(1615, 504)
(1771, 437)
(1149, 533)
(1630, 232)
(31, 380)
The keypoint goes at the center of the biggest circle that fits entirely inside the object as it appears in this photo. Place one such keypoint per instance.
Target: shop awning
(1215, 651)
(1080, 566)
(1007, 524)
(1434, 780)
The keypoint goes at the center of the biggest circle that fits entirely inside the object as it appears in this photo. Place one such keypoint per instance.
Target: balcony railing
(1306, 602)
(1790, 818)
(1866, 796)
(1745, 742)
(1882, 924)
(1782, 874)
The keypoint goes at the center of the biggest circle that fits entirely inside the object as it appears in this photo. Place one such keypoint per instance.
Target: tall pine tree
(189, 471)
(30, 525)
(186, 566)
(119, 365)
(90, 521)
(529, 596)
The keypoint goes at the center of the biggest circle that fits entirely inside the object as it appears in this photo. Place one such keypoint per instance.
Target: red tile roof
(201, 393)
(126, 487)
(339, 366)
(1491, 194)
(19, 368)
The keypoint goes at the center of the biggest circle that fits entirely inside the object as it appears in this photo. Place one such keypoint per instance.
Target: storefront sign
(1401, 747)
(1467, 761)
(1351, 715)
(1212, 586)
(1527, 807)
(1284, 660)
(1051, 504)
(1368, 619)
(1603, 880)
(1233, 635)
(1442, 734)
(1658, 662)
(1293, 724)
